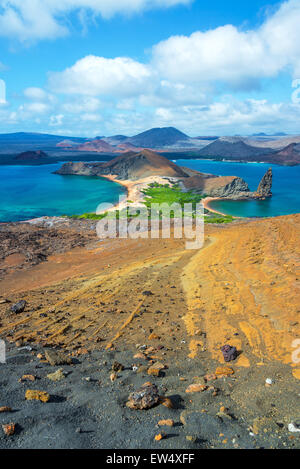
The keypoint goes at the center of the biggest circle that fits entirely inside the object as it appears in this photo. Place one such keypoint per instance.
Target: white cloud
(56, 120)
(82, 104)
(47, 19)
(229, 55)
(92, 76)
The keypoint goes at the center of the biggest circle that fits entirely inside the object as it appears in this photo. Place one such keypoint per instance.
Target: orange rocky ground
(242, 288)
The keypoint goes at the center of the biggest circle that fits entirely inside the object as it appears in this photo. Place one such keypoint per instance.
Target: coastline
(206, 203)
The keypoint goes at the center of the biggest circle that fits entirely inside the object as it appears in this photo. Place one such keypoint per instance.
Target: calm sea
(286, 187)
(33, 191)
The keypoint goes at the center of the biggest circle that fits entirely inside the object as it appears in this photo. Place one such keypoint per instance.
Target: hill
(32, 156)
(233, 148)
(157, 138)
(129, 166)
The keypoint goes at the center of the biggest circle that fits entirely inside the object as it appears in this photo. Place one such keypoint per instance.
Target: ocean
(33, 191)
(286, 187)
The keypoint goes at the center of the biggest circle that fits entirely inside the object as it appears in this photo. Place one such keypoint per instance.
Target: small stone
(113, 377)
(166, 423)
(210, 377)
(19, 307)
(117, 367)
(55, 357)
(191, 438)
(147, 293)
(167, 402)
(145, 397)
(27, 378)
(37, 396)
(9, 429)
(269, 382)
(153, 336)
(196, 388)
(293, 428)
(140, 356)
(223, 372)
(57, 376)
(155, 369)
(229, 353)
(159, 437)
(5, 409)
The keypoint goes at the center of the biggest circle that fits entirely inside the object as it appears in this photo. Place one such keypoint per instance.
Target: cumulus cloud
(46, 19)
(230, 55)
(92, 75)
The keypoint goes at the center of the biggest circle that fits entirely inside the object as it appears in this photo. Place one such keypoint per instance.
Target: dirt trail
(242, 289)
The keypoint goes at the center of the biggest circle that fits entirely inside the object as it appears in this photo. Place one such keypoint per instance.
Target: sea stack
(264, 189)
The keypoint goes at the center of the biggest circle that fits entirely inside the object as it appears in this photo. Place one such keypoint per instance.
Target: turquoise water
(286, 187)
(33, 191)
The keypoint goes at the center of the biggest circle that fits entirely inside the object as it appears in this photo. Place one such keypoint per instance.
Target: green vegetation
(163, 193)
(87, 216)
(215, 218)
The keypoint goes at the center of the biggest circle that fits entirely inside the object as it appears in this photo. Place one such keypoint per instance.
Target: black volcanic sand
(87, 410)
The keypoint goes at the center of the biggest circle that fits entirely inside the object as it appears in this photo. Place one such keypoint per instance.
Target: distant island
(278, 149)
(32, 156)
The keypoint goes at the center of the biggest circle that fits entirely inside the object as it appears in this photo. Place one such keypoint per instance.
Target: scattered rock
(166, 423)
(9, 429)
(223, 372)
(19, 307)
(198, 387)
(5, 409)
(140, 356)
(37, 396)
(117, 367)
(27, 378)
(166, 401)
(293, 427)
(153, 336)
(144, 398)
(147, 293)
(55, 357)
(155, 370)
(229, 353)
(3, 301)
(113, 377)
(191, 438)
(57, 376)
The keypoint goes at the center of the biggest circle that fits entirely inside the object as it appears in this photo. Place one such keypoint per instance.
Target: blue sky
(100, 67)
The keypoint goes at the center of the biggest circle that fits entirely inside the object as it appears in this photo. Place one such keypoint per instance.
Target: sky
(103, 67)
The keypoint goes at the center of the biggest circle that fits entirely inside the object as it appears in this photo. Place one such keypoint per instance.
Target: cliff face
(217, 186)
(265, 187)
